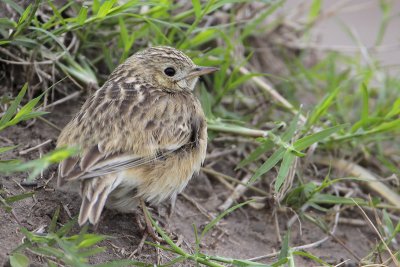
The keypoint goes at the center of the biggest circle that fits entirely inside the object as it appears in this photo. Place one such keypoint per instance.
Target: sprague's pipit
(141, 136)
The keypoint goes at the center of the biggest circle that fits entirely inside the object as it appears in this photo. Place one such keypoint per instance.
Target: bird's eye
(170, 71)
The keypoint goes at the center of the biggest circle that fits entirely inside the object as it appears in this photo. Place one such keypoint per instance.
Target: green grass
(354, 113)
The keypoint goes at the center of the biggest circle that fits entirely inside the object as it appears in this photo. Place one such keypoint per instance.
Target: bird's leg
(139, 223)
(172, 208)
(149, 227)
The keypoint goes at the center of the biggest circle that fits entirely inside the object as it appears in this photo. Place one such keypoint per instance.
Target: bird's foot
(149, 227)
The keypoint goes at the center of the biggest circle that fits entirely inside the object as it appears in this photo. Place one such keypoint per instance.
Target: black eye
(170, 71)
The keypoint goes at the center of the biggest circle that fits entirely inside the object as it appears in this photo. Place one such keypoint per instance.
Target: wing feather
(149, 127)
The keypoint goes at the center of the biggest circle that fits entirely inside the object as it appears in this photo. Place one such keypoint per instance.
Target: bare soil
(246, 233)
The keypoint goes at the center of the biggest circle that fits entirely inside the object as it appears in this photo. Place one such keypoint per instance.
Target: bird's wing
(120, 128)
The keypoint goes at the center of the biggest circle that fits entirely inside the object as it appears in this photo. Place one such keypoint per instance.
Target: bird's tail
(94, 194)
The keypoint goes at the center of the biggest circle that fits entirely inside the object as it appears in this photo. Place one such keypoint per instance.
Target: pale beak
(198, 71)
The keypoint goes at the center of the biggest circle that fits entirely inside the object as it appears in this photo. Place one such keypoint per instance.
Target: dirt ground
(246, 233)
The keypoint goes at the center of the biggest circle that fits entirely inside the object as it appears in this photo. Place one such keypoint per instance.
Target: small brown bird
(141, 136)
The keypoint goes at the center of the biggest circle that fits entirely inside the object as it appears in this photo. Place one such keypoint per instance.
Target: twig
(350, 221)
(295, 217)
(278, 232)
(266, 86)
(227, 177)
(237, 130)
(237, 193)
(19, 185)
(220, 154)
(65, 207)
(7, 140)
(26, 151)
(50, 123)
(62, 100)
(198, 207)
(377, 232)
(345, 247)
(219, 178)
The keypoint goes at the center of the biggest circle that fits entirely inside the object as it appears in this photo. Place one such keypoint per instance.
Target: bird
(140, 137)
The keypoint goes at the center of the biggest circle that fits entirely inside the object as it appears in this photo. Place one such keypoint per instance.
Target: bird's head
(165, 67)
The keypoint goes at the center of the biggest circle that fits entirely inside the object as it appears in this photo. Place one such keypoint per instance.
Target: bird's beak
(198, 71)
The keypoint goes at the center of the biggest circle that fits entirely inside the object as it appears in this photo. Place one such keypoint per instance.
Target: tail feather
(94, 194)
(98, 206)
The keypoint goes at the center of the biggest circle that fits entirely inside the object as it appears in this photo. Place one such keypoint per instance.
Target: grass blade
(268, 164)
(307, 141)
(287, 161)
(13, 107)
(211, 224)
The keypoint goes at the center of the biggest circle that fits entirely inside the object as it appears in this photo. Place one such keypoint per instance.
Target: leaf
(81, 72)
(280, 262)
(250, 28)
(321, 108)
(331, 199)
(105, 8)
(288, 134)
(25, 19)
(395, 110)
(197, 8)
(26, 113)
(53, 223)
(8, 166)
(202, 37)
(206, 101)
(287, 161)
(6, 148)
(13, 107)
(66, 228)
(285, 246)
(14, 5)
(81, 18)
(25, 14)
(90, 240)
(19, 197)
(123, 31)
(242, 79)
(256, 153)
(268, 164)
(365, 102)
(388, 223)
(365, 120)
(48, 251)
(310, 256)
(19, 260)
(385, 127)
(307, 141)
(299, 195)
(315, 9)
(38, 165)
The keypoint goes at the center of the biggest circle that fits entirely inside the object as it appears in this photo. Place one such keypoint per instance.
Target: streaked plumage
(141, 135)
